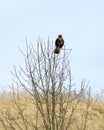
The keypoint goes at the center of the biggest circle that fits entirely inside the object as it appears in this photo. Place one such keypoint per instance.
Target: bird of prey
(59, 44)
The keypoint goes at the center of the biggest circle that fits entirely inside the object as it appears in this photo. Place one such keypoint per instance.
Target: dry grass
(11, 112)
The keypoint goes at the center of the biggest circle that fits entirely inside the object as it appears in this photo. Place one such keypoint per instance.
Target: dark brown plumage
(59, 44)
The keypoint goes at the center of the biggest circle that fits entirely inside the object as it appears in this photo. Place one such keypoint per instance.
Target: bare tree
(47, 81)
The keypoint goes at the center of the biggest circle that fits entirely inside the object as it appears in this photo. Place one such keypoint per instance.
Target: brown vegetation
(21, 114)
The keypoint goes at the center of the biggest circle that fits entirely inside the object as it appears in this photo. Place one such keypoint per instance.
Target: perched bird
(59, 44)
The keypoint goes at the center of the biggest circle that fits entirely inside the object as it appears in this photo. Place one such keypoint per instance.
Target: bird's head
(60, 36)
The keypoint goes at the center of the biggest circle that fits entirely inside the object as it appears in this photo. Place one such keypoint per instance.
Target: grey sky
(81, 22)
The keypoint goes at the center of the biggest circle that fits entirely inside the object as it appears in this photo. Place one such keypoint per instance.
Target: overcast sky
(81, 22)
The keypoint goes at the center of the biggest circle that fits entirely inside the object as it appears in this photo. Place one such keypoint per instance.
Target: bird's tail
(57, 50)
